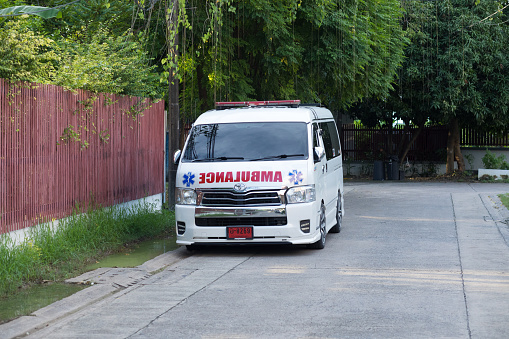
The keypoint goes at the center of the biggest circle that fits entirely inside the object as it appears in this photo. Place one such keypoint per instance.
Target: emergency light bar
(225, 105)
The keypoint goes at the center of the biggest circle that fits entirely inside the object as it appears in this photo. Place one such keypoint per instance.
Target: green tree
(333, 52)
(329, 51)
(468, 71)
(79, 51)
(455, 71)
(83, 19)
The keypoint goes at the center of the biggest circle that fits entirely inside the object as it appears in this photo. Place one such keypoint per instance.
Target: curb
(104, 283)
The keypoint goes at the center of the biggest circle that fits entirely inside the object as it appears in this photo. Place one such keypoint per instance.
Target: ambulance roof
(264, 114)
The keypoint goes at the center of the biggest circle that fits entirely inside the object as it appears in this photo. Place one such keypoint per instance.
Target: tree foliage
(333, 52)
(43, 12)
(92, 47)
(106, 64)
(463, 64)
(329, 51)
(470, 77)
(25, 55)
(455, 70)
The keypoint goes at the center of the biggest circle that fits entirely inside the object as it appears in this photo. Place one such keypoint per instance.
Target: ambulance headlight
(300, 194)
(185, 196)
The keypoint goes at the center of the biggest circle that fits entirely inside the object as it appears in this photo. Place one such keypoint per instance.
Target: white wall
(477, 155)
(356, 168)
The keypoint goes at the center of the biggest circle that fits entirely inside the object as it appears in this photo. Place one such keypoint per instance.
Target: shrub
(56, 253)
(107, 64)
(491, 161)
(25, 55)
(103, 63)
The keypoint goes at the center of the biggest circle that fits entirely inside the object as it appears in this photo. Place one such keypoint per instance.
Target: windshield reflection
(266, 141)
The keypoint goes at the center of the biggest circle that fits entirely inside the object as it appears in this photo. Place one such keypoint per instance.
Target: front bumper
(271, 224)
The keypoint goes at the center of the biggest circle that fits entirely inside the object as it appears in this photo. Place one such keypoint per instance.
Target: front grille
(255, 221)
(231, 198)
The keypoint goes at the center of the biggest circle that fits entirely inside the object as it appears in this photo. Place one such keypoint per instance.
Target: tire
(320, 244)
(339, 217)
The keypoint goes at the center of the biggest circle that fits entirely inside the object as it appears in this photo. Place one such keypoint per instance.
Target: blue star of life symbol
(295, 177)
(188, 179)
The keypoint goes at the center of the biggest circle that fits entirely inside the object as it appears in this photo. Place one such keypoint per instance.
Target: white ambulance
(266, 172)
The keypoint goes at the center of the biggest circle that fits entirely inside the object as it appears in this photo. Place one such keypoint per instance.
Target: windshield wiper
(218, 158)
(281, 156)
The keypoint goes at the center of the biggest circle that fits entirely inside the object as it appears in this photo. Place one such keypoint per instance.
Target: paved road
(413, 260)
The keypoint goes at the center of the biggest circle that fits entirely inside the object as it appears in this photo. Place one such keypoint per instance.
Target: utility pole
(173, 117)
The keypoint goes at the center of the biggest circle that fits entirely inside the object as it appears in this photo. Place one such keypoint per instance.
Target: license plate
(239, 232)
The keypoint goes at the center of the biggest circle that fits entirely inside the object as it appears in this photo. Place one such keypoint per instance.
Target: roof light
(223, 105)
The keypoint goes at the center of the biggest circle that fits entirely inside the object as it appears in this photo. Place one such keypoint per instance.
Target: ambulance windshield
(253, 141)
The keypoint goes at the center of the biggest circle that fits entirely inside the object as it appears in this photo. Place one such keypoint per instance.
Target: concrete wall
(478, 153)
(473, 161)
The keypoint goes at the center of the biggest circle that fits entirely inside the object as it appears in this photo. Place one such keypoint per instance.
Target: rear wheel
(339, 216)
(323, 231)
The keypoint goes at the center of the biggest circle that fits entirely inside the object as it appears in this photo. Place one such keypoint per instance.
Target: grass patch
(505, 199)
(54, 254)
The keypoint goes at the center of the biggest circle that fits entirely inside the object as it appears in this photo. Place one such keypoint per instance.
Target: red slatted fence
(43, 178)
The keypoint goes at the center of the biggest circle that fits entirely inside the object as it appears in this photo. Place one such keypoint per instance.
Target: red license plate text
(239, 232)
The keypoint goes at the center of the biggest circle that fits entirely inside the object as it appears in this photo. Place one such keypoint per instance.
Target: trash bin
(393, 168)
(378, 170)
(388, 165)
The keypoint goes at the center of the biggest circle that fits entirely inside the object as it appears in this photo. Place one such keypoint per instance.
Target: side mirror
(176, 156)
(319, 153)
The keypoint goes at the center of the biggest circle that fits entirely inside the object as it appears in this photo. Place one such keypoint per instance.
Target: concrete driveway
(413, 260)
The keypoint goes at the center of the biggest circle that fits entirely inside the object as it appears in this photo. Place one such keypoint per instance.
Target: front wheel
(339, 217)
(320, 244)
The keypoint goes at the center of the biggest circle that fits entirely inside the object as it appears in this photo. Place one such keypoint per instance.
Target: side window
(336, 146)
(330, 139)
(315, 142)
(327, 140)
